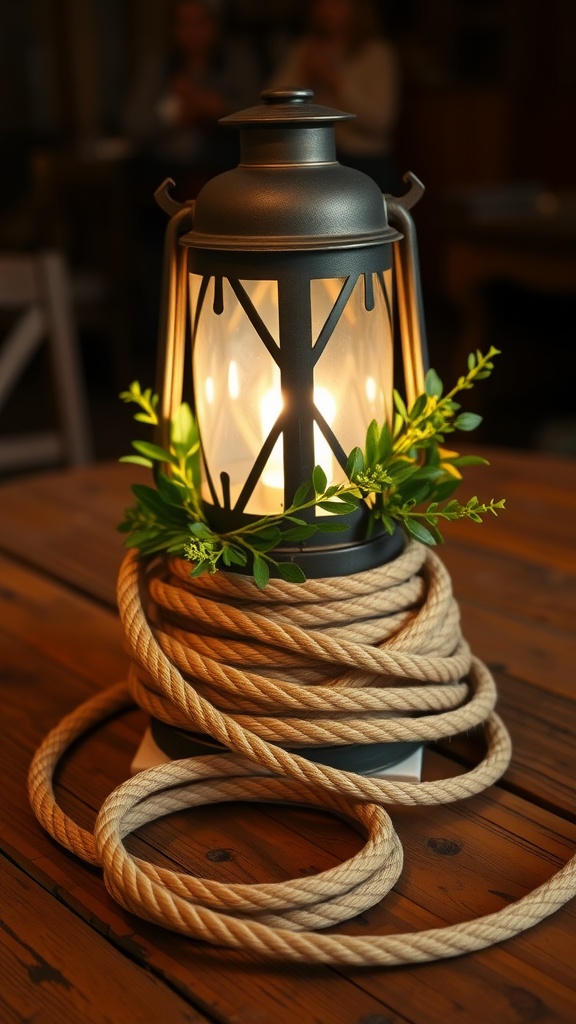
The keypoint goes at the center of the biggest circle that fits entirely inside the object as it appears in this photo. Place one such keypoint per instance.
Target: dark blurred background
(487, 120)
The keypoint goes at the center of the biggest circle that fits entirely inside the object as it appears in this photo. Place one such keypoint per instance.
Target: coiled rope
(379, 658)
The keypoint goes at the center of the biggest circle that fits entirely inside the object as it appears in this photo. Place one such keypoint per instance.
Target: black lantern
(287, 265)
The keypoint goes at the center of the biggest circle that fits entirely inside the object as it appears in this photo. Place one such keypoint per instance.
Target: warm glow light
(238, 380)
(371, 389)
(233, 380)
(273, 475)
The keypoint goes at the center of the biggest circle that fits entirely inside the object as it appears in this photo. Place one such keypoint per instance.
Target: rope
(377, 658)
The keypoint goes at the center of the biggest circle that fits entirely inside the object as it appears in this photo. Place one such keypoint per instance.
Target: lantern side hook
(414, 193)
(167, 202)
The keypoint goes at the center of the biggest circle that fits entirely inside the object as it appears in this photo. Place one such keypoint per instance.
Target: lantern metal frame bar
(173, 310)
(409, 288)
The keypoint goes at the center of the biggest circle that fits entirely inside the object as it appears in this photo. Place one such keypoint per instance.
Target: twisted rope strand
(379, 659)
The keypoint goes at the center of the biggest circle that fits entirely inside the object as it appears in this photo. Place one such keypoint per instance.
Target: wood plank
(540, 654)
(542, 727)
(65, 524)
(61, 624)
(54, 967)
(537, 524)
(500, 581)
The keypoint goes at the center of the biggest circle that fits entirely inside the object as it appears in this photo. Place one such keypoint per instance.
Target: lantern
(286, 264)
(290, 266)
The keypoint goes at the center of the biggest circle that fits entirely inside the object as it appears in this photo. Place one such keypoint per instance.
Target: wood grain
(60, 639)
(54, 968)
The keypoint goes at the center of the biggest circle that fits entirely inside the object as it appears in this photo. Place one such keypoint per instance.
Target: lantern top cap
(289, 192)
(283, 105)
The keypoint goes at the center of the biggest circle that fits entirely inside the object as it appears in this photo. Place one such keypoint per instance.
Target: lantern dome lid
(289, 192)
(284, 105)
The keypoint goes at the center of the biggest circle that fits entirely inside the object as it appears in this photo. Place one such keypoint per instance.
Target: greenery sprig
(402, 473)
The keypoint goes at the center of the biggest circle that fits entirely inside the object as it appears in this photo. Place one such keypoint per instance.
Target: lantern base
(363, 759)
(346, 559)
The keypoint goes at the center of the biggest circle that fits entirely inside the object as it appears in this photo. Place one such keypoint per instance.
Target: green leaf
(468, 460)
(398, 425)
(171, 492)
(417, 490)
(329, 526)
(183, 428)
(385, 443)
(291, 572)
(201, 530)
(339, 508)
(372, 438)
(261, 572)
(419, 405)
(267, 540)
(445, 488)
(432, 384)
(418, 531)
(303, 494)
(200, 569)
(300, 532)
(236, 555)
(136, 460)
(355, 463)
(400, 405)
(153, 451)
(433, 529)
(401, 473)
(389, 523)
(471, 361)
(451, 506)
(432, 455)
(319, 480)
(151, 500)
(467, 421)
(349, 498)
(268, 532)
(176, 549)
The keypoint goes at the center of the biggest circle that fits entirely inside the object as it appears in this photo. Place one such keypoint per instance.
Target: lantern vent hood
(288, 192)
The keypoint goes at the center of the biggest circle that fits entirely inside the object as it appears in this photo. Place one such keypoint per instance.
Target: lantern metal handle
(410, 304)
(172, 321)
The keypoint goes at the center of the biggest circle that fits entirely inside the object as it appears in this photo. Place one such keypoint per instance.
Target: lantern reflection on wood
(288, 261)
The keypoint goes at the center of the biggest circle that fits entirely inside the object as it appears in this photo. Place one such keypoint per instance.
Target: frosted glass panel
(354, 374)
(237, 391)
(264, 297)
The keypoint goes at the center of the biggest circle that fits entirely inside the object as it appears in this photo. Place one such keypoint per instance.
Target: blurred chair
(36, 288)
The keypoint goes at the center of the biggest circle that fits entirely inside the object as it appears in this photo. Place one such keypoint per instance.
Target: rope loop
(272, 674)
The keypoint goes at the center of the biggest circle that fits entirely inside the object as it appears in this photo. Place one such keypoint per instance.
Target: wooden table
(68, 952)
